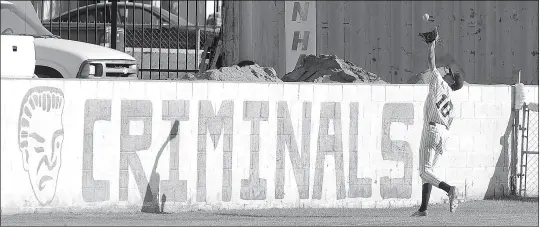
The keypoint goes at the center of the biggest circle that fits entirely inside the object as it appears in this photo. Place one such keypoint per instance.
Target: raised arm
(431, 56)
(431, 38)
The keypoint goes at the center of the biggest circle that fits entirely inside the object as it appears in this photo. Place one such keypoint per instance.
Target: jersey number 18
(447, 107)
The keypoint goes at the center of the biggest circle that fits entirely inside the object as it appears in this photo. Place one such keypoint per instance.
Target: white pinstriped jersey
(438, 107)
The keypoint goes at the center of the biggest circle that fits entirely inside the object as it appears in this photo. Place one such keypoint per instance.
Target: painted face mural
(40, 139)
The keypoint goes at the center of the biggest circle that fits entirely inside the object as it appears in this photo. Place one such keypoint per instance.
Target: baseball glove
(431, 36)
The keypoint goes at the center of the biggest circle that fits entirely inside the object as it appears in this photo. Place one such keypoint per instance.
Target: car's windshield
(15, 22)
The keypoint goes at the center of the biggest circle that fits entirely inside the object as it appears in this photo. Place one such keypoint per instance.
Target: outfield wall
(240, 145)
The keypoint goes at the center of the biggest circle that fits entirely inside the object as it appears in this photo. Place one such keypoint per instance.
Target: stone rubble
(329, 69)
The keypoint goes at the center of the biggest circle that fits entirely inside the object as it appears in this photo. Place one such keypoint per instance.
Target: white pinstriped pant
(431, 148)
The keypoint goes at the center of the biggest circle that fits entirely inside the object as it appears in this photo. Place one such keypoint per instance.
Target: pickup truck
(61, 58)
(18, 57)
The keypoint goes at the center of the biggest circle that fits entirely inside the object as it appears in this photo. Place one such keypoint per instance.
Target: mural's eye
(57, 143)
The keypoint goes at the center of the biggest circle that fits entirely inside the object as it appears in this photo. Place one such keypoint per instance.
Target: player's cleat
(452, 195)
(419, 214)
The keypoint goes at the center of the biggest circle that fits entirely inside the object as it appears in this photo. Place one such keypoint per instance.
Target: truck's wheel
(46, 72)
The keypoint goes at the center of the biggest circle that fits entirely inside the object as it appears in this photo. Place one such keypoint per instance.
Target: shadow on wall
(151, 201)
(499, 183)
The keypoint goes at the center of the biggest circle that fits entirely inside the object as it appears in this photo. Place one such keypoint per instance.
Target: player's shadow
(151, 201)
(499, 185)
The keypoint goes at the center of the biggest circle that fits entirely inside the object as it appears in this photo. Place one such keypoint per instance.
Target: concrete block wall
(239, 145)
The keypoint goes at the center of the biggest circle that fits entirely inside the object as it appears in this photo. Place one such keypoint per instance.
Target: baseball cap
(458, 80)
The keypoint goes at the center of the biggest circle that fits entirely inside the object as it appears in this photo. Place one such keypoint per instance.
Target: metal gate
(166, 37)
(528, 185)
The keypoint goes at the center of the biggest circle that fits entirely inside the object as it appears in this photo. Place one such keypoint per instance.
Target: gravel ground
(479, 213)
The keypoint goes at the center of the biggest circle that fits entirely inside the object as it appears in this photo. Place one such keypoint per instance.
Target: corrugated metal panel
(255, 30)
(490, 40)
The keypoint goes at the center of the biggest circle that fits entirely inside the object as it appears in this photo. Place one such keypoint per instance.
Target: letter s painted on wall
(397, 150)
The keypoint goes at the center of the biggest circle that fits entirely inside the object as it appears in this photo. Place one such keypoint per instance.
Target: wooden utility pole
(231, 31)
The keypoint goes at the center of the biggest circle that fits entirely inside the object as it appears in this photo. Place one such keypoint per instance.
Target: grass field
(478, 213)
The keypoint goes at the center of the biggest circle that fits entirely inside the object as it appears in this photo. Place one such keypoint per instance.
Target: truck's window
(122, 15)
(141, 17)
(11, 23)
(91, 16)
(83, 17)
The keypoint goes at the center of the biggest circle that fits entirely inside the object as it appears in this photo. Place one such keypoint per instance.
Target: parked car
(61, 58)
(139, 25)
(128, 13)
(18, 57)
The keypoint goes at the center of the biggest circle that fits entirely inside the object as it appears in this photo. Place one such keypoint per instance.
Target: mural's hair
(48, 99)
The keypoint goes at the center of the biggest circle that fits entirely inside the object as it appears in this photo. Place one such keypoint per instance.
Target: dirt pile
(329, 69)
(249, 73)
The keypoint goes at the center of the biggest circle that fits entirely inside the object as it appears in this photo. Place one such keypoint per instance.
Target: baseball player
(438, 116)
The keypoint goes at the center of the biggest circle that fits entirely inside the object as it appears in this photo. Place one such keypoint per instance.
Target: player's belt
(435, 124)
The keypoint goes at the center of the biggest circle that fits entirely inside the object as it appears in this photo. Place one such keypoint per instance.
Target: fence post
(197, 46)
(515, 176)
(114, 23)
(513, 140)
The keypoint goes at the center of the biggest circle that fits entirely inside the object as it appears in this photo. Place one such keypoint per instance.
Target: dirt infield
(479, 213)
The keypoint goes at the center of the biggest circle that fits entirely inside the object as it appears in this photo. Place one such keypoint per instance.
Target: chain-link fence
(529, 184)
(533, 127)
(167, 38)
